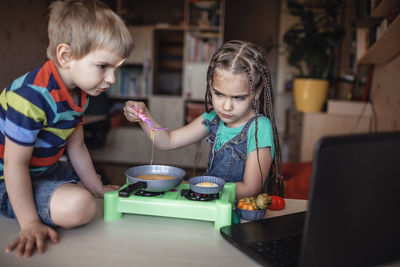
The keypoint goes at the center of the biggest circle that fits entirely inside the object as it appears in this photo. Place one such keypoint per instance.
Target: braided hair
(241, 57)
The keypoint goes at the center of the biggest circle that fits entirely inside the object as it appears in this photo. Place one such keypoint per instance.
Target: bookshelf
(168, 61)
(204, 31)
(134, 78)
(382, 8)
(166, 70)
(386, 46)
(131, 81)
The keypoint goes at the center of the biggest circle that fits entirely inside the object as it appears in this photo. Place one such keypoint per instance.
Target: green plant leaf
(313, 40)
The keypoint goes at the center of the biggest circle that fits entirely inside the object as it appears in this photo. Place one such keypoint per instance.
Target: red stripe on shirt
(1, 151)
(35, 161)
(42, 77)
(63, 94)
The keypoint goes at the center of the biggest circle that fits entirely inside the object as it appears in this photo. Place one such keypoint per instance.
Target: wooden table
(136, 240)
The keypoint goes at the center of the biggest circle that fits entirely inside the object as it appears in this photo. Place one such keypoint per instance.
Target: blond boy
(41, 116)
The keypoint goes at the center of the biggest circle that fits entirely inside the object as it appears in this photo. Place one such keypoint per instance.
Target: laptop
(353, 215)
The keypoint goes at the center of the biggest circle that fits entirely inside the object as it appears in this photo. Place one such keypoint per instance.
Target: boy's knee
(78, 208)
(83, 207)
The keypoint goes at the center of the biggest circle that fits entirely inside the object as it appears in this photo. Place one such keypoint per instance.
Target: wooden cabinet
(342, 117)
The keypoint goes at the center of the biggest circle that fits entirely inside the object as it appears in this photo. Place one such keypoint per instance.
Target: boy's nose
(110, 77)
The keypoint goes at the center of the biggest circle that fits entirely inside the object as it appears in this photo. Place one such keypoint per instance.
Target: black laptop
(353, 215)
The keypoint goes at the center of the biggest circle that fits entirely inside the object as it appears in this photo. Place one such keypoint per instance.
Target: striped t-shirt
(37, 110)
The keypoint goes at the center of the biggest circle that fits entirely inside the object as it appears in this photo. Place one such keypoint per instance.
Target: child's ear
(63, 52)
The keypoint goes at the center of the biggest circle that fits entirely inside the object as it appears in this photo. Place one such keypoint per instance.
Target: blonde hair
(86, 25)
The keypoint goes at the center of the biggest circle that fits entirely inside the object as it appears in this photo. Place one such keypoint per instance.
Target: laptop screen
(353, 209)
(353, 215)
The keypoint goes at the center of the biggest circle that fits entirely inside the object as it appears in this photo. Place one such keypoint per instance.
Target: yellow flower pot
(310, 94)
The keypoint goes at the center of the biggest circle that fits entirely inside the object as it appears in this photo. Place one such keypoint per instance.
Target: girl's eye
(102, 66)
(240, 98)
(217, 93)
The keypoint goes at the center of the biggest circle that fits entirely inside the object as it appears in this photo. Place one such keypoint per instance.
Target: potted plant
(312, 44)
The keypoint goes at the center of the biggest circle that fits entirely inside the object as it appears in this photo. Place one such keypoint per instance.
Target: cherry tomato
(246, 204)
(249, 206)
(241, 204)
(278, 203)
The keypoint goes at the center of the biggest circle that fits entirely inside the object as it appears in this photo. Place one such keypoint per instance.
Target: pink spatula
(147, 119)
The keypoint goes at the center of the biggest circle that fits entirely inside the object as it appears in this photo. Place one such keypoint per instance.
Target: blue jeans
(43, 186)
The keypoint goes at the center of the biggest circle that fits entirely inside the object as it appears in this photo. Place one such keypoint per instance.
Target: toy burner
(180, 202)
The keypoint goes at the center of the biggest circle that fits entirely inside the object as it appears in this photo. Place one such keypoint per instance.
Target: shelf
(124, 97)
(168, 27)
(203, 28)
(201, 47)
(383, 8)
(93, 118)
(204, 14)
(386, 47)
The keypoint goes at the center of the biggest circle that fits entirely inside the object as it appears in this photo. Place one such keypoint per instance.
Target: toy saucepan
(157, 185)
(206, 184)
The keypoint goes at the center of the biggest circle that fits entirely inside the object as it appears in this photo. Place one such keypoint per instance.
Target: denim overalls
(229, 161)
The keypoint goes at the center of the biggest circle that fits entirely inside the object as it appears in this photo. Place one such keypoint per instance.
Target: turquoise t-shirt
(264, 134)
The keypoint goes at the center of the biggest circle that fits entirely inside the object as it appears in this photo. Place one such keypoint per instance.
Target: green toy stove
(180, 202)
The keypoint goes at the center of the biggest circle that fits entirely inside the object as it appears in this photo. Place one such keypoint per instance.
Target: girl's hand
(31, 236)
(132, 108)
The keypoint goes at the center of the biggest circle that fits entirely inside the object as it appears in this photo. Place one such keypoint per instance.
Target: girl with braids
(239, 123)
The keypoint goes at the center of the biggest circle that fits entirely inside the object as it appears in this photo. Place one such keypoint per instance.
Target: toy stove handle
(132, 187)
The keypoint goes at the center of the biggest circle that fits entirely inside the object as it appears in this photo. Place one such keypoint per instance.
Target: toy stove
(180, 202)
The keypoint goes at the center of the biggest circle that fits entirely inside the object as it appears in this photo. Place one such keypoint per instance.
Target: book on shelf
(391, 14)
(379, 20)
(129, 82)
(202, 48)
(363, 42)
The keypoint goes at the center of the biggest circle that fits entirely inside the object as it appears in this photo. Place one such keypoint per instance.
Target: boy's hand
(33, 234)
(111, 187)
(106, 188)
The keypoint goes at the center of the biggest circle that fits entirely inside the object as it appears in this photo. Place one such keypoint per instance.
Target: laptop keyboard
(281, 251)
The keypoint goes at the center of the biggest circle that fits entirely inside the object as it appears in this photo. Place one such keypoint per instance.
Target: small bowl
(251, 215)
(206, 190)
